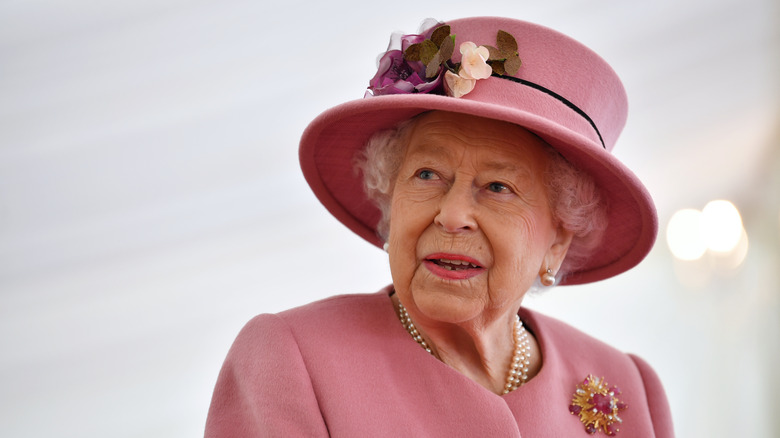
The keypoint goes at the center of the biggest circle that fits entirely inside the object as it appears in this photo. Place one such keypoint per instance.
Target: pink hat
(562, 91)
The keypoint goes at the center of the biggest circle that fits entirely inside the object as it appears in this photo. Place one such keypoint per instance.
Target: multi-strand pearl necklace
(406, 321)
(521, 359)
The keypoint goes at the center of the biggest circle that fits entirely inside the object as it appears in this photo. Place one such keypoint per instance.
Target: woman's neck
(480, 350)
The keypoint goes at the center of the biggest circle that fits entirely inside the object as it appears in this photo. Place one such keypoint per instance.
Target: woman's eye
(426, 174)
(497, 187)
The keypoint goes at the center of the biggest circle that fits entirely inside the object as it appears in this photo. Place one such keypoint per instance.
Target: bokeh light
(721, 226)
(728, 261)
(683, 234)
(716, 230)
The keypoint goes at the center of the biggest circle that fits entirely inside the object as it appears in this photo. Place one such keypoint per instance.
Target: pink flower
(456, 85)
(474, 61)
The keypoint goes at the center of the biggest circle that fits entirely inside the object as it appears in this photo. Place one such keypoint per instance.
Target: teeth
(457, 263)
(452, 262)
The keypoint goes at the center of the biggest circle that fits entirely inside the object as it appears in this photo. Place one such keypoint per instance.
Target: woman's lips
(453, 266)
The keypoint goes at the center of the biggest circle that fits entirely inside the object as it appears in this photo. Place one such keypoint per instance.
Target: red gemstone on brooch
(597, 405)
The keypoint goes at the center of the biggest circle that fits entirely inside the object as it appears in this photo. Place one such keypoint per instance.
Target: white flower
(473, 64)
(456, 85)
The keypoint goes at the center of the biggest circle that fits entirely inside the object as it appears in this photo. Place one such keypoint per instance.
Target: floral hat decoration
(424, 64)
(502, 69)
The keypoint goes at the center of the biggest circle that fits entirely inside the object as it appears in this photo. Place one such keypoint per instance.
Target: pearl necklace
(521, 359)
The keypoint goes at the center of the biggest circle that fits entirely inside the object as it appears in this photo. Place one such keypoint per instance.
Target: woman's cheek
(401, 245)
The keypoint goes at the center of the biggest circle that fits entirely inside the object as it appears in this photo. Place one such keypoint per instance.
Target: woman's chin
(446, 305)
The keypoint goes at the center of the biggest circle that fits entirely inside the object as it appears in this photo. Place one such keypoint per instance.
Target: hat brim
(329, 144)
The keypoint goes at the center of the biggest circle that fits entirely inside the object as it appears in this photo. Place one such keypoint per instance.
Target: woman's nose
(456, 210)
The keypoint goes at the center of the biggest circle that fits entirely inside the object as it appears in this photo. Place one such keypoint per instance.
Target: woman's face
(470, 225)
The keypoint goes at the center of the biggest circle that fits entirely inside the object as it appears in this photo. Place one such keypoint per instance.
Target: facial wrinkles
(476, 158)
(523, 180)
(474, 162)
(481, 150)
(527, 182)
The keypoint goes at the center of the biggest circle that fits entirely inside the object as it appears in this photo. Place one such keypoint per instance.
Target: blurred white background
(151, 201)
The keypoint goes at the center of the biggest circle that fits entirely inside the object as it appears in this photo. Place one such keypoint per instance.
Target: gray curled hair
(574, 198)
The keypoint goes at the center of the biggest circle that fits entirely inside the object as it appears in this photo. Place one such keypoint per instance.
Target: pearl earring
(385, 246)
(548, 279)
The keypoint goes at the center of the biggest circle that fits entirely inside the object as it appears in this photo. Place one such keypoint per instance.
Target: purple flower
(396, 75)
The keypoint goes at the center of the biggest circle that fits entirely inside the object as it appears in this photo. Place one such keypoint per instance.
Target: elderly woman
(480, 160)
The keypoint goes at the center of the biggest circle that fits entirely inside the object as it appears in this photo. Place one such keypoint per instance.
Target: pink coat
(345, 367)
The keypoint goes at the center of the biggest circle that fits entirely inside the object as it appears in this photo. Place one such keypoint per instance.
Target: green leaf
(498, 67)
(512, 65)
(446, 49)
(506, 43)
(412, 53)
(494, 54)
(440, 34)
(427, 51)
(432, 68)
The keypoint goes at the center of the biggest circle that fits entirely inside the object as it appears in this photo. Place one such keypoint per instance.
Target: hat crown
(558, 64)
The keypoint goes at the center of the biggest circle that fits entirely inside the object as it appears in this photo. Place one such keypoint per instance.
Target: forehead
(450, 136)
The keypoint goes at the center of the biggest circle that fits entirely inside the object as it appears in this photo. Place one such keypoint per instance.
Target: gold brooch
(597, 405)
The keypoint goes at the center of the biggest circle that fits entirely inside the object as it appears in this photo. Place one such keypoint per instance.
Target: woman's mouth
(452, 267)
